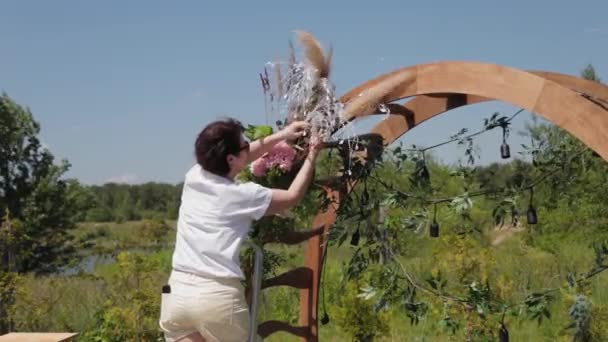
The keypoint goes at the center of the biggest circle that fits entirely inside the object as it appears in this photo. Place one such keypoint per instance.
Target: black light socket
(434, 229)
(532, 218)
(505, 151)
(354, 240)
(503, 333)
(325, 319)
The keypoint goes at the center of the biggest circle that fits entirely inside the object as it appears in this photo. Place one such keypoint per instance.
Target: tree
(33, 193)
(356, 315)
(153, 231)
(125, 210)
(133, 306)
(589, 73)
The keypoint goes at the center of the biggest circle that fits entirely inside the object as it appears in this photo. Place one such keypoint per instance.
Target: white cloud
(596, 30)
(126, 178)
(192, 98)
(197, 93)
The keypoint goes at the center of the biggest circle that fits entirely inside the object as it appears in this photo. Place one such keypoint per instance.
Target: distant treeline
(114, 202)
(123, 202)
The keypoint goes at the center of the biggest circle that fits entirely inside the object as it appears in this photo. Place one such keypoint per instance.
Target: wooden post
(309, 297)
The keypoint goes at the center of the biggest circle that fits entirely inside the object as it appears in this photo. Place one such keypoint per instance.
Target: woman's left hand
(295, 130)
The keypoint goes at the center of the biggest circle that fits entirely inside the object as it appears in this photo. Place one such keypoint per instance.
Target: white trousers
(216, 308)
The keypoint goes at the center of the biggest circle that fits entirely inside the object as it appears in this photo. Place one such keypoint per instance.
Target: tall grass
(61, 303)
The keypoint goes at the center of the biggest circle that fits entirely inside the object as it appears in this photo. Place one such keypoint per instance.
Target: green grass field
(70, 303)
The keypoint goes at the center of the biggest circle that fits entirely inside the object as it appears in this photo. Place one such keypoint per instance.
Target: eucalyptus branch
(478, 193)
(466, 304)
(593, 273)
(391, 188)
(542, 178)
(415, 284)
(472, 135)
(587, 276)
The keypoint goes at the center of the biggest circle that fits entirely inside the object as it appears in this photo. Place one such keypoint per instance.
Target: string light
(532, 218)
(507, 121)
(354, 240)
(325, 318)
(505, 150)
(434, 228)
(503, 333)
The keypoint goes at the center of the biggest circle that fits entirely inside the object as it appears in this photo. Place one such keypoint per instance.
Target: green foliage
(99, 214)
(257, 132)
(34, 193)
(124, 202)
(281, 304)
(42, 205)
(110, 238)
(9, 283)
(133, 307)
(589, 73)
(152, 231)
(355, 314)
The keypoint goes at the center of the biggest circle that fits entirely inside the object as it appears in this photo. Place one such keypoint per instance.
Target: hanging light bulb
(505, 150)
(503, 333)
(532, 218)
(354, 240)
(365, 195)
(325, 319)
(434, 228)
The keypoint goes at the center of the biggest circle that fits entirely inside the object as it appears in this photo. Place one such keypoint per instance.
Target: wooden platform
(37, 337)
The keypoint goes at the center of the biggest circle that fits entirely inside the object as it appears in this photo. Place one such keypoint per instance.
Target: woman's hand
(285, 199)
(295, 130)
(314, 147)
(292, 132)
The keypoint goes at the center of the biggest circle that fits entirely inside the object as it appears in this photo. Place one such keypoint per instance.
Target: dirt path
(501, 234)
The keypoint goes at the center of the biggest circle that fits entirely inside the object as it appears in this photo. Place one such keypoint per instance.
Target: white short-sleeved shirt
(215, 216)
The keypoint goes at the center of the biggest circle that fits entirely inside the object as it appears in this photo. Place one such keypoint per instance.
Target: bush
(356, 316)
(152, 231)
(132, 309)
(99, 214)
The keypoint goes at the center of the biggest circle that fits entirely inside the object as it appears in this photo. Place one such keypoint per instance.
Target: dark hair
(215, 142)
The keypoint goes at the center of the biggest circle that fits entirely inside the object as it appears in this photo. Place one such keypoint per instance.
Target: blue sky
(121, 88)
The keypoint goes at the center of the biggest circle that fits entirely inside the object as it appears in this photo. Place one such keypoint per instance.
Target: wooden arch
(579, 106)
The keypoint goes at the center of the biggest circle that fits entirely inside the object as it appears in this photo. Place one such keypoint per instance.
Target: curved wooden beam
(592, 88)
(586, 120)
(596, 89)
(404, 117)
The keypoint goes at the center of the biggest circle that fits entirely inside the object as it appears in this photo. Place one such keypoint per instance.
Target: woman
(205, 299)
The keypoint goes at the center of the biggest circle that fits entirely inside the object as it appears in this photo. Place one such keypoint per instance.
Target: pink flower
(258, 168)
(281, 155)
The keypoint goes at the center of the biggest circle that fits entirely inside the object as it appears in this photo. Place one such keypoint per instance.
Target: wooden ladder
(305, 278)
